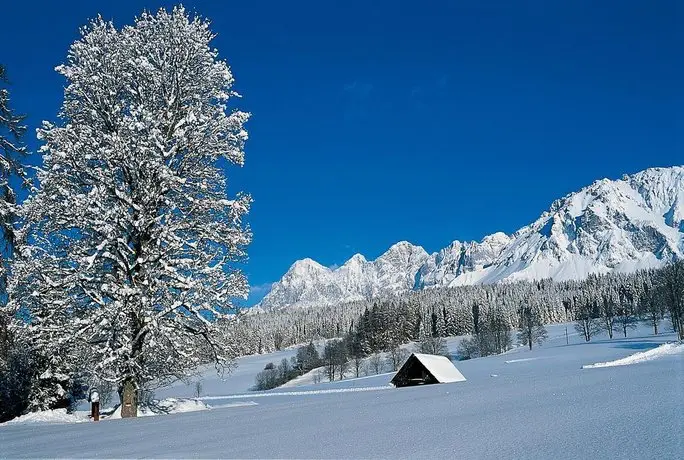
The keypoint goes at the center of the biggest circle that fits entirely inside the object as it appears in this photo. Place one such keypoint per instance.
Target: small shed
(421, 369)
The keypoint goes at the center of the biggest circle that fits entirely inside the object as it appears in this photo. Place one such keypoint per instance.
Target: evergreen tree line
(612, 302)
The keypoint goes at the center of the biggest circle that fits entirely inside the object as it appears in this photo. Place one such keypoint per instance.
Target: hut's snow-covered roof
(440, 367)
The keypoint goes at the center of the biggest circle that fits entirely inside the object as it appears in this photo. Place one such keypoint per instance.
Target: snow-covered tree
(587, 322)
(531, 329)
(671, 286)
(396, 355)
(16, 360)
(12, 151)
(652, 310)
(432, 346)
(130, 243)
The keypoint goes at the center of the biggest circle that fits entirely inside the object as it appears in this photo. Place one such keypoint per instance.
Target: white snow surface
(534, 409)
(611, 225)
(49, 416)
(166, 406)
(643, 356)
(160, 407)
(441, 368)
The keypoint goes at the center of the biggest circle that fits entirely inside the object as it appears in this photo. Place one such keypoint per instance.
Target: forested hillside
(610, 299)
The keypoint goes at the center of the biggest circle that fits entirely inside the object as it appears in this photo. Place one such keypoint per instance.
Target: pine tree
(130, 241)
(671, 286)
(12, 152)
(16, 359)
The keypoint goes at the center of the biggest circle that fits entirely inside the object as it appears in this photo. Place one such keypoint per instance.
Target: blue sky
(381, 121)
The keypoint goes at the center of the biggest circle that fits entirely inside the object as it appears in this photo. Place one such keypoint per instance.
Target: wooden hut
(422, 369)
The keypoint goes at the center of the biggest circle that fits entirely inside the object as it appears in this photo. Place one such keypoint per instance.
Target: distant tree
(317, 376)
(671, 286)
(273, 376)
(198, 388)
(356, 352)
(475, 309)
(376, 363)
(530, 330)
(468, 348)
(342, 359)
(285, 372)
(266, 379)
(396, 355)
(493, 337)
(307, 358)
(278, 339)
(495, 334)
(586, 322)
(433, 346)
(331, 358)
(626, 319)
(608, 314)
(650, 307)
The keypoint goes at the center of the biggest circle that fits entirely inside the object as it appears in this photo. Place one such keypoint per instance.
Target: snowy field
(540, 404)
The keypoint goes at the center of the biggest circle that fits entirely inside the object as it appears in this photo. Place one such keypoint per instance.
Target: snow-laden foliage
(15, 362)
(12, 150)
(130, 243)
(442, 312)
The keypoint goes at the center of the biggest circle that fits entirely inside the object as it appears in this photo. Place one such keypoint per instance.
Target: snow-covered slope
(625, 412)
(443, 267)
(626, 224)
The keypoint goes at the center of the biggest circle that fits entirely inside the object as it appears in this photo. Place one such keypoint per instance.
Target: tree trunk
(587, 333)
(128, 394)
(529, 329)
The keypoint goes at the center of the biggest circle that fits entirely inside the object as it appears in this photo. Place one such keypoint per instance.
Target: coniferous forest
(611, 302)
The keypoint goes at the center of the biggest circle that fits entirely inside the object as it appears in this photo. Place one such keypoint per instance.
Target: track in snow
(297, 393)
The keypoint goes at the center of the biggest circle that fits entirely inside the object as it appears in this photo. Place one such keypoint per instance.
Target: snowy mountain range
(612, 225)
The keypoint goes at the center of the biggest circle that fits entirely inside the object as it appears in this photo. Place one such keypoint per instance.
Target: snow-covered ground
(665, 349)
(50, 416)
(159, 407)
(539, 404)
(240, 380)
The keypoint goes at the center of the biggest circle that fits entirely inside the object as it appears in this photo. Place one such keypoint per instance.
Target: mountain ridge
(610, 225)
